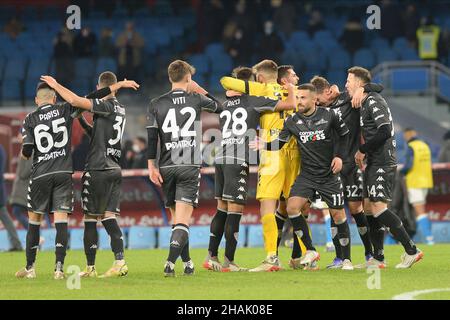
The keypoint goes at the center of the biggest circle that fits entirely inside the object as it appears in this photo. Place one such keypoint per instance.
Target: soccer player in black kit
(379, 151)
(238, 122)
(175, 118)
(316, 130)
(47, 132)
(102, 178)
(330, 97)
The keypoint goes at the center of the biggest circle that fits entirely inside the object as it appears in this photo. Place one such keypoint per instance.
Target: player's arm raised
(81, 102)
(291, 101)
(248, 87)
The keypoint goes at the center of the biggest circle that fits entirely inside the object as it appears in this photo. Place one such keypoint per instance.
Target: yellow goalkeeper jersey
(270, 122)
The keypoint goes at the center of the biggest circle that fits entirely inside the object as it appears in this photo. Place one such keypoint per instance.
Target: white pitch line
(413, 294)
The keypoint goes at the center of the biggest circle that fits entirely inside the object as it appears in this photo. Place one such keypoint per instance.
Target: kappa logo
(299, 122)
(86, 183)
(28, 197)
(85, 199)
(94, 246)
(380, 195)
(360, 179)
(175, 243)
(241, 189)
(242, 181)
(243, 173)
(245, 165)
(88, 175)
(381, 171)
(59, 245)
(380, 179)
(380, 187)
(371, 102)
(375, 109)
(321, 121)
(240, 197)
(85, 191)
(340, 101)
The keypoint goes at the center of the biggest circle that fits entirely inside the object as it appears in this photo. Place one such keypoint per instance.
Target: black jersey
(238, 123)
(375, 113)
(176, 115)
(105, 148)
(315, 139)
(343, 107)
(49, 129)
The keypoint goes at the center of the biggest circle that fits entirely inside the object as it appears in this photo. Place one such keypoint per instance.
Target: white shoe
(270, 264)
(309, 257)
(232, 267)
(347, 265)
(408, 260)
(214, 265)
(312, 267)
(26, 274)
(295, 264)
(59, 275)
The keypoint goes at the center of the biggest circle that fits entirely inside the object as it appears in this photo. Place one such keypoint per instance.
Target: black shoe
(189, 268)
(169, 269)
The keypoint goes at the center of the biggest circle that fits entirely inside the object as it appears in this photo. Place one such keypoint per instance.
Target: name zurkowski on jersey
(375, 113)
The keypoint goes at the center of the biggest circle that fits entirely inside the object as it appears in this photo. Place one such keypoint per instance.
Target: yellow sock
(270, 233)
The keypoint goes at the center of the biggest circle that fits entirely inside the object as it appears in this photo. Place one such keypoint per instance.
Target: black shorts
(379, 183)
(51, 193)
(231, 182)
(331, 191)
(180, 184)
(352, 179)
(101, 192)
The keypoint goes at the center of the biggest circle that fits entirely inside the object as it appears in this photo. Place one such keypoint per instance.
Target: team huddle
(311, 143)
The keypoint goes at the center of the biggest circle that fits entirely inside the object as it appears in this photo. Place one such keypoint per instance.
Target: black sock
(114, 232)
(32, 242)
(301, 230)
(61, 239)
(395, 225)
(232, 234)
(179, 238)
(217, 228)
(296, 249)
(185, 254)
(335, 238)
(363, 230)
(280, 223)
(90, 240)
(376, 231)
(343, 234)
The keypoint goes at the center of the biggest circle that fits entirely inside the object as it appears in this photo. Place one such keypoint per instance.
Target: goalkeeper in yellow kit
(278, 169)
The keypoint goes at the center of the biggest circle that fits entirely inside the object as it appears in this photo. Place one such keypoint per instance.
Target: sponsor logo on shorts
(240, 197)
(243, 173)
(380, 179)
(380, 187)
(242, 181)
(381, 171)
(241, 189)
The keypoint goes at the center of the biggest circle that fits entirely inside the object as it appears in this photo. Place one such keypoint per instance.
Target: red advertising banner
(142, 202)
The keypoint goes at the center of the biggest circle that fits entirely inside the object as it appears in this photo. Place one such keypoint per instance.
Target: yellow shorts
(277, 173)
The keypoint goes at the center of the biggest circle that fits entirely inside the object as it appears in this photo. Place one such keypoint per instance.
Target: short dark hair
(43, 85)
(107, 78)
(307, 86)
(267, 66)
(320, 83)
(178, 69)
(141, 139)
(283, 71)
(361, 73)
(243, 73)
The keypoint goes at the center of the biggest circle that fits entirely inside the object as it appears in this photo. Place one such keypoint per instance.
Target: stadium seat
(76, 239)
(200, 62)
(338, 60)
(386, 54)
(408, 54)
(49, 236)
(379, 44)
(444, 85)
(141, 238)
(214, 49)
(291, 57)
(84, 68)
(255, 236)
(337, 77)
(104, 64)
(364, 58)
(409, 80)
(214, 82)
(222, 63)
(400, 44)
(15, 68)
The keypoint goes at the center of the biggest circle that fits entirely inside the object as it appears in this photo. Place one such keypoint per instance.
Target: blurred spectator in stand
(133, 5)
(285, 15)
(270, 46)
(444, 153)
(4, 215)
(127, 150)
(391, 22)
(214, 18)
(245, 18)
(140, 153)
(63, 57)
(411, 23)
(429, 40)
(130, 45)
(315, 23)
(85, 43)
(106, 46)
(99, 5)
(80, 153)
(353, 36)
(240, 48)
(13, 28)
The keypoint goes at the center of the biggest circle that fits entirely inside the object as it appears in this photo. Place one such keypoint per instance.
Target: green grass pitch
(145, 279)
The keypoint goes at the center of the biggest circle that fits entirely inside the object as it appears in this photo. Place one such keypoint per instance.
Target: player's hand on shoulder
(336, 165)
(359, 159)
(195, 87)
(129, 84)
(49, 80)
(357, 98)
(256, 144)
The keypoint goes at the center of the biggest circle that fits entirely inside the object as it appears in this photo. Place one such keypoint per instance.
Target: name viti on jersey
(309, 136)
(180, 144)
